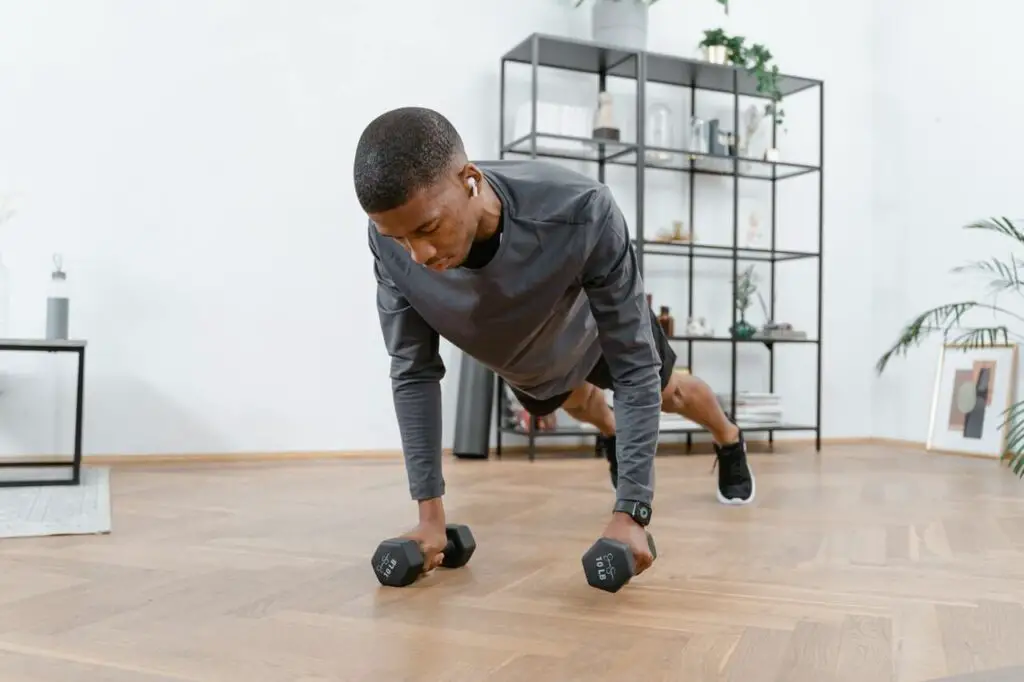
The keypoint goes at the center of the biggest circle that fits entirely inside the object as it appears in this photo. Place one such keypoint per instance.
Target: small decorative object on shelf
(751, 119)
(57, 302)
(745, 290)
(698, 327)
(716, 146)
(667, 322)
(776, 331)
(677, 235)
(699, 141)
(716, 46)
(780, 331)
(660, 134)
(753, 409)
(604, 121)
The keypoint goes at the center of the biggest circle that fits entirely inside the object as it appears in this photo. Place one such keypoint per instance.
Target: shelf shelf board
(591, 57)
(729, 339)
(569, 147)
(583, 432)
(654, 247)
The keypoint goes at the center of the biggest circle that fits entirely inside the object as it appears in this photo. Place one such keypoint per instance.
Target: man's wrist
(637, 510)
(431, 510)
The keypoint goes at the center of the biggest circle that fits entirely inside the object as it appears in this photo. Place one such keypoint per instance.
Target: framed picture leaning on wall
(973, 389)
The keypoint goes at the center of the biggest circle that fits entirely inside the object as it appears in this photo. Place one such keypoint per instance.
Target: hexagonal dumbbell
(609, 564)
(399, 562)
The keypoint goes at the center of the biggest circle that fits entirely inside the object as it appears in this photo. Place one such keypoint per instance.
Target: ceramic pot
(620, 22)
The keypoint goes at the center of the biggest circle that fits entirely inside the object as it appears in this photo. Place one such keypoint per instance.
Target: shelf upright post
(735, 228)
(499, 385)
(692, 179)
(602, 83)
(534, 91)
(821, 249)
(771, 302)
(641, 154)
(534, 97)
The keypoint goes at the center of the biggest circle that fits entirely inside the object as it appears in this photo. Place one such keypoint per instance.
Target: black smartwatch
(638, 511)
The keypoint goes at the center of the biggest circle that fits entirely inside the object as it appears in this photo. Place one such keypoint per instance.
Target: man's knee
(580, 398)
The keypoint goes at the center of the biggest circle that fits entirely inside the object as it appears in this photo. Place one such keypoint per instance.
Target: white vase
(620, 22)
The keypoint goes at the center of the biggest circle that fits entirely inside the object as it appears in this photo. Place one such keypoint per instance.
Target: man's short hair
(400, 152)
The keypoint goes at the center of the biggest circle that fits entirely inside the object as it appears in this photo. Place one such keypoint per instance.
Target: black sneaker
(735, 479)
(606, 446)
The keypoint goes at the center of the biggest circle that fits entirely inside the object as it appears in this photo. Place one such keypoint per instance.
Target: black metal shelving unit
(567, 54)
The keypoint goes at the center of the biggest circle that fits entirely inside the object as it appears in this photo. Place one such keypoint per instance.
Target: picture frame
(973, 389)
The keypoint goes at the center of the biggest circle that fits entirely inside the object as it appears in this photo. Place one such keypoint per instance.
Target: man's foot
(735, 479)
(606, 446)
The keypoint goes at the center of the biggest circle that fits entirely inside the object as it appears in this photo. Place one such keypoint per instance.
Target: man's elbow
(406, 373)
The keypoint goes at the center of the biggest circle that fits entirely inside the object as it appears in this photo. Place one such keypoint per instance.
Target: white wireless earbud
(472, 186)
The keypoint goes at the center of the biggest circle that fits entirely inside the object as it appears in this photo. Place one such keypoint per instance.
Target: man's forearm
(418, 408)
(637, 421)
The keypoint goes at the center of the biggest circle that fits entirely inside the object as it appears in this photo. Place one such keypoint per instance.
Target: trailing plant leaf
(755, 59)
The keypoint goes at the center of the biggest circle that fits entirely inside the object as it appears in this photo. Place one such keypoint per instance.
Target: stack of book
(752, 408)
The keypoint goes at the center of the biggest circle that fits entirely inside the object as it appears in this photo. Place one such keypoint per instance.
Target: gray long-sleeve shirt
(562, 289)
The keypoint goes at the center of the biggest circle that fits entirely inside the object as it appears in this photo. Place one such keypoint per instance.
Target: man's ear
(472, 178)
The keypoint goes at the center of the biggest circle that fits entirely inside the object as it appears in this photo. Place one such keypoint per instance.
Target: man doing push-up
(527, 267)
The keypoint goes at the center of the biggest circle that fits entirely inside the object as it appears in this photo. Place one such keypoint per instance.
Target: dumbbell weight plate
(609, 564)
(460, 547)
(397, 562)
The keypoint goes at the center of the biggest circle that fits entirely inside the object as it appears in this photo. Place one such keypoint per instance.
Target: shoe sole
(738, 501)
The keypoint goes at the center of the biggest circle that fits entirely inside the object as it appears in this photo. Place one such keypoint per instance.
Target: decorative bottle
(666, 321)
(57, 303)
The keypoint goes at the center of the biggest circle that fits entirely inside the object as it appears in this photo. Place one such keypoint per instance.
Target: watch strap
(638, 511)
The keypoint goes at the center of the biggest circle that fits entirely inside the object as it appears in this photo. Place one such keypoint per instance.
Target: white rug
(82, 509)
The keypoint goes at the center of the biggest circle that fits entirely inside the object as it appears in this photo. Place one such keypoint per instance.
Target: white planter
(716, 54)
(620, 22)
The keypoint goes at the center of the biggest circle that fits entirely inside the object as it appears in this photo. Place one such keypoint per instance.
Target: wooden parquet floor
(863, 563)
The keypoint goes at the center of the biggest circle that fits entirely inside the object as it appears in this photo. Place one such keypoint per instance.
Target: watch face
(643, 512)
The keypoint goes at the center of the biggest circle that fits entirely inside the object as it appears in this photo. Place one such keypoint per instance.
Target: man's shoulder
(544, 191)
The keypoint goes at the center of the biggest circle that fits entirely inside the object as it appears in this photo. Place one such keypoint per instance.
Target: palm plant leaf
(1002, 225)
(938, 319)
(981, 337)
(1006, 276)
(1014, 424)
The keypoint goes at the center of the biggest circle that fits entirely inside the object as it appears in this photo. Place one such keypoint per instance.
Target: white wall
(946, 153)
(211, 143)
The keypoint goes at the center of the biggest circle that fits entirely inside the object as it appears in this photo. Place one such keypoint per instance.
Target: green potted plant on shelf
(722, 48)
(746, 287)
(1006, 277)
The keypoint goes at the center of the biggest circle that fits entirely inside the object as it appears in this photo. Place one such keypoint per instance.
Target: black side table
(48, 346)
